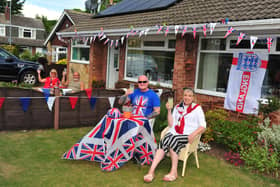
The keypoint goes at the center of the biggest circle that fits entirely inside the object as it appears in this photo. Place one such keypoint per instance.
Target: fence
(38, 116)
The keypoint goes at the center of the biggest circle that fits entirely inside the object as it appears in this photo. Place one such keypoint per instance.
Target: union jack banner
(204, 30)
(229, 31)
(240, 37)
(269, 43)
(114, 141)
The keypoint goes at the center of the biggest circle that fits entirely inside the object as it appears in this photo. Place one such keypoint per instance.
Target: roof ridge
(76, 12)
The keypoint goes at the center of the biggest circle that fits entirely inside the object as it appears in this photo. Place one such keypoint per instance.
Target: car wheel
(28, 77)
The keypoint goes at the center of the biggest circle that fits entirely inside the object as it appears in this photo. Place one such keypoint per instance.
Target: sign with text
(245, 82)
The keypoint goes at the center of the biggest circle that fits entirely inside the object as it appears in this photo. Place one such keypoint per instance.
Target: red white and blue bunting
(167, 29)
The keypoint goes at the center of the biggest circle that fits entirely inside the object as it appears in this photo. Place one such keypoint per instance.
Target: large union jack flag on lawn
(114, 141)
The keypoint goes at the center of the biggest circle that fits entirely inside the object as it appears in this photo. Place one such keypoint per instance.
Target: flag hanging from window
(245, 82)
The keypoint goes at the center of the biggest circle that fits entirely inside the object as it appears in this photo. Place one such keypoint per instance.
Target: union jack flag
(269, 43)
(115, 140)
(140, 106)
(240, 37)
(229, 31)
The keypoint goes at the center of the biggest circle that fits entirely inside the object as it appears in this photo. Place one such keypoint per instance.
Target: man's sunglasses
(142, 82)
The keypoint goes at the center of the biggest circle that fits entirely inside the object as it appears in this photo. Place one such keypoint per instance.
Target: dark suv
(12, 68)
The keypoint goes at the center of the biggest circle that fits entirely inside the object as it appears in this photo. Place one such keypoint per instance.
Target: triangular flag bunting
(146, 31)
(112, 101)
(194, 32)
(73, 101)
(269, 43)
(106, 41)
(240, 37)
(2, 99)
(204, 30)
(184, 31)
(25, 102)
(88, 92)
(141, 33)
(92, 102)
(50, 102)
(160, 28)
(229, 31)
(253, 41)
(176, 29)
(212, 27)
(122, 39)
(117, 43)
(46, 92)
(166, 31)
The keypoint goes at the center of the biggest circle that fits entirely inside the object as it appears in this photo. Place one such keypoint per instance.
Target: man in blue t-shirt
(145, 101)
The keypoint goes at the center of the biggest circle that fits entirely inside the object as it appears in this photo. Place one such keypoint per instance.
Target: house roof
(22, 42)
(185, 12)
(74, 16)
(23, 21)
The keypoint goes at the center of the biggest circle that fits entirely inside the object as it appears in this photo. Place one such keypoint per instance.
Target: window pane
(27, 33)
(245, 44)
(214, 71)
(134, 43)
(172, 44)
(156, 65)
(154, 43)
(278, 44)
(213, 44)
(80, 54)
(2, 30)
(271, 83)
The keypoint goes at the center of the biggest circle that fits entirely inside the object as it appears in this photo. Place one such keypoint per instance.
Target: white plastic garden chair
(186, 151)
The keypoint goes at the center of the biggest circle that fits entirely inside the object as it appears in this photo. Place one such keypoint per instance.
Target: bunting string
(166, 30)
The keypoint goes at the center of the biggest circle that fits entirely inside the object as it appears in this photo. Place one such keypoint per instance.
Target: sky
(50, 8)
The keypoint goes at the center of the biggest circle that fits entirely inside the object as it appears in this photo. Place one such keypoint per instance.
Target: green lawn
(32, 158)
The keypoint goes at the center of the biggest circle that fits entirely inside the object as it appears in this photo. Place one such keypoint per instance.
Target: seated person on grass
(76, 85)
(186, 122)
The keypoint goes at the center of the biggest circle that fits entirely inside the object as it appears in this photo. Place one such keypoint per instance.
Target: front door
(113, 67)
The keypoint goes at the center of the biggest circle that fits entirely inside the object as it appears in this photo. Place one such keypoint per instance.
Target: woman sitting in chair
(186, 122)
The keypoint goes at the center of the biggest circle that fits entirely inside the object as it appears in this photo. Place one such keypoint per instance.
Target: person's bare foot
(149, 178)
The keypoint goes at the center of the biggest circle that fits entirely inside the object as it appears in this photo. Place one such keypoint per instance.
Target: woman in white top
(186, 121)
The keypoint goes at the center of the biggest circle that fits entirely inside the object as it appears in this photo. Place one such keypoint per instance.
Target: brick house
(58, 49)
(168, 59)
(27, 33)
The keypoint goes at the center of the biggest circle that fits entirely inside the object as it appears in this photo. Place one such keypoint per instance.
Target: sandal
(169, 178)
(148, 178)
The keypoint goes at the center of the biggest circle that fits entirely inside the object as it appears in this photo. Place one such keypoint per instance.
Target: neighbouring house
(166, 41)
(24, 32)
(57, 49)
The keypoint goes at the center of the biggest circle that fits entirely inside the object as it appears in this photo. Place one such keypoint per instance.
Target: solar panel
(133, 6)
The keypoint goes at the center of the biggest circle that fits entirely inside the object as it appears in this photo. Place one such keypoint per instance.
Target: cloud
(33, 10)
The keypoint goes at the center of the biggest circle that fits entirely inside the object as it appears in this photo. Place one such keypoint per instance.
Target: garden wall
(38, 116)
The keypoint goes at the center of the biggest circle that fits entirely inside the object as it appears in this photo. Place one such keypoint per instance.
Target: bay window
(215, 59)
(151, 57)
(80, 51)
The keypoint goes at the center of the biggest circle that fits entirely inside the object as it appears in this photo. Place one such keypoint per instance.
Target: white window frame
(155, 48)
(2, 30)
(79, 46)
(228, 50)
(57, 52)
(21, 31)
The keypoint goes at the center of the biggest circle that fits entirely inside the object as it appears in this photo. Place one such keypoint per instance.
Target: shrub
(62, 61)
(211, 117)
(261, 158)
(11, 48)
(98, 84)
(161, 119)
(271, 136)
(273, 104)
(232, 134)
(26, 55)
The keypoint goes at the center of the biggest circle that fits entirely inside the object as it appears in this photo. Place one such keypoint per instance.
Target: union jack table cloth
(115, 140)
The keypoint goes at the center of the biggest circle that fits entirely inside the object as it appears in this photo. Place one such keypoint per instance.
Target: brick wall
(122, 62)
(99, 61)
(184, 64)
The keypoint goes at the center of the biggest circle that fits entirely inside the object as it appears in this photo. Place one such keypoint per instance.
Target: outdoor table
(114, 141)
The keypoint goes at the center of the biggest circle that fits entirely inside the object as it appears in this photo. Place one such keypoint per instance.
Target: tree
(104, 4)
(17, 6)
(48, 24)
